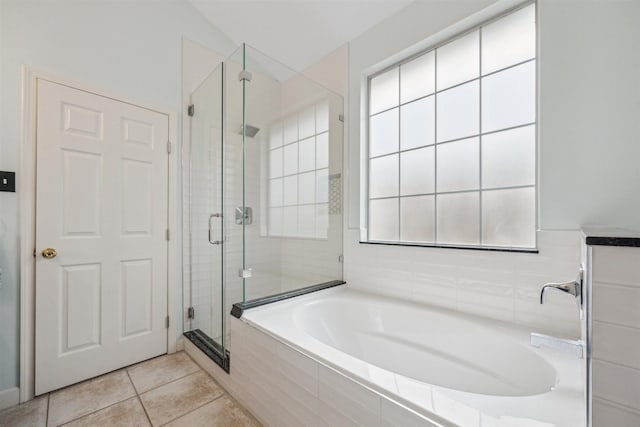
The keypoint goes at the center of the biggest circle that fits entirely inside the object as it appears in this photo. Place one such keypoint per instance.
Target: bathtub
(451, 368)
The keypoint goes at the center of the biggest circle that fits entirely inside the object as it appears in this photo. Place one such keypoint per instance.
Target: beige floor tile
(124, 414)
(161, 370)
(81, 399)
(222, 412)
(32, 413)
(175, 399)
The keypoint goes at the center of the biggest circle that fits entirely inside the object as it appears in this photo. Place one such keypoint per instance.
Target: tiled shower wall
(499, 285)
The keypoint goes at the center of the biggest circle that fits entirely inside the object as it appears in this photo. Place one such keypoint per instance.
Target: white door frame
(26, 183)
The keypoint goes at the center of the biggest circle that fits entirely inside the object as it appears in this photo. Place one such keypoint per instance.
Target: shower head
(249, 130)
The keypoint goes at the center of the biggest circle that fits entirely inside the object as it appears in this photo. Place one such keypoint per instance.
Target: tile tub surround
(498, 285)
(283, 381)
(167, 390)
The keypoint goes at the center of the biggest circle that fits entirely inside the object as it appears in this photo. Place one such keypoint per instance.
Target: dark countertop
(608, 236)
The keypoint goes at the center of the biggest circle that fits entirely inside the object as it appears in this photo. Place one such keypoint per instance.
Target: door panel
(102, 169)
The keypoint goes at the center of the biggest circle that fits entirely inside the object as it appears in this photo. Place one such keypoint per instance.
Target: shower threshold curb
(211, 348)
(239, 308)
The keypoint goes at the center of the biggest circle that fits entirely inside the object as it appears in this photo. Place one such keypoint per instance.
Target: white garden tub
(461, 368)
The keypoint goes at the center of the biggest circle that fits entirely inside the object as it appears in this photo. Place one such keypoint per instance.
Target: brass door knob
(49, 253)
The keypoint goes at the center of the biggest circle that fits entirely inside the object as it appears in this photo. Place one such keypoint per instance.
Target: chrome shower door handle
(213, 242)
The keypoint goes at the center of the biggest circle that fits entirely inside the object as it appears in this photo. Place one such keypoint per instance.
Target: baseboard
(9, 397)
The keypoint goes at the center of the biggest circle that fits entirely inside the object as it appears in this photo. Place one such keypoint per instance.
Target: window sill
(472, 248)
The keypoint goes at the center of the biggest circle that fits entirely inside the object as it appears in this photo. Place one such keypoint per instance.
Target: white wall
(589, 110)
(131, 48)
(589, 102)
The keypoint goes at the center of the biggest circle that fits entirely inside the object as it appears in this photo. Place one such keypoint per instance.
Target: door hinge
(191, 110)
(168, 235)
(340, 258)
(166, 322)
(169, 147)
(34, 253)
(341, 117)
(191, 313)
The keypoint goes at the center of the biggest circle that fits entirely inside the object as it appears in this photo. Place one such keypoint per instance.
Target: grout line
(195, 409)
(170, 382)
(131, 381)
(615, 364)
(617, 405)
(144, 409)
(48, 406)
(91, 413)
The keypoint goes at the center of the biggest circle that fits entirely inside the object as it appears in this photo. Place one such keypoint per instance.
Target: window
(299, 174)
(452, 141)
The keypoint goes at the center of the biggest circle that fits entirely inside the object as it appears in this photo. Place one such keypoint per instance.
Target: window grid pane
(482, 118)
(298, 185)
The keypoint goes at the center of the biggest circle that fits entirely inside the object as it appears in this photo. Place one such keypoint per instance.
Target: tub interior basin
(437, 347)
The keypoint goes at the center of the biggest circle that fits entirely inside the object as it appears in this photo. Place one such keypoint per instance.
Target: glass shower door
(265, 178)
(206, 218)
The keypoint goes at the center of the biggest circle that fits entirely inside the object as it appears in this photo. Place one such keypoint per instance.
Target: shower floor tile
(167, 390)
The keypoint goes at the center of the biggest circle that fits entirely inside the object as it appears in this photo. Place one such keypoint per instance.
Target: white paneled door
(101, 221)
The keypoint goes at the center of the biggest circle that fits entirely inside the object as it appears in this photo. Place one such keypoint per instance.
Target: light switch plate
(8, 181)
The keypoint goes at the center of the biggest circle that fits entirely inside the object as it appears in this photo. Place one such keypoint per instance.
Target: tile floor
(169, 390)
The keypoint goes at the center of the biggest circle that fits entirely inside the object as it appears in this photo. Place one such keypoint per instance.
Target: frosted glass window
(275, 221)
(452, 138)
(508, 98)
(307, 188)
(383, 176)
(458, 112)
(509, 40)
(290, 193)
(290, 130)
(383, 133)
(322, 220)
(418, 77)
(322, 117)
(417, 219)
(322, 186)
(322, 150)
(290, 159)
(458, 61)
(307, 123)
(306, 221)
(508, 217)
(508, 158)
(383, 220)
(275, 163)
(418, 123)
(307, 154)
(458, 218)
(275, 135)
(458, 165)
(290, 221)
(417, 171)
(384, 91)
(275, 192)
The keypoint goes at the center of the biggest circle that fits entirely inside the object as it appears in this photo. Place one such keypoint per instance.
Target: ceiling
(296, 32)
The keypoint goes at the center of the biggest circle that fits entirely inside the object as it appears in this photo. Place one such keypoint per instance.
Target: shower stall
(263, 202)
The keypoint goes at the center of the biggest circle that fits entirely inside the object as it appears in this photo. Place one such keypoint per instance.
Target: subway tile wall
(615, 280)
(499, 285)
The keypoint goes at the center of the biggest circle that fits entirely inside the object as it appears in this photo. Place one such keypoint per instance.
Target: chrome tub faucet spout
(573, 287)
